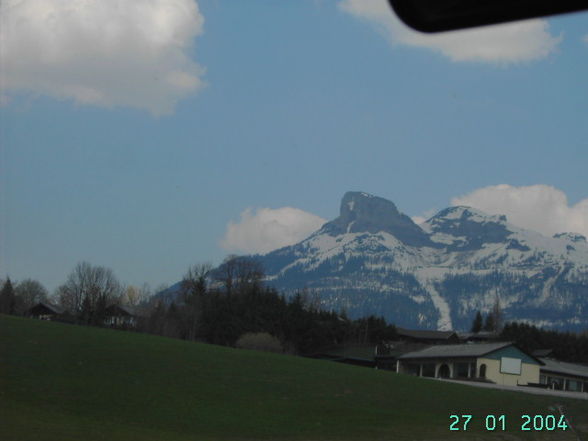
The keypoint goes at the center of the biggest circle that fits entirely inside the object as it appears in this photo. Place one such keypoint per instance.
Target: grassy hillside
(63, 382)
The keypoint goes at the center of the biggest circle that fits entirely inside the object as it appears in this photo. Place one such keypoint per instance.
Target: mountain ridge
(372, 259)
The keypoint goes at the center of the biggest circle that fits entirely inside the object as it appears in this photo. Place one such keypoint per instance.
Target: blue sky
(269, 105)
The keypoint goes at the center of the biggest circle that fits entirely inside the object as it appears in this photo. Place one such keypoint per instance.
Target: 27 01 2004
(499, 422)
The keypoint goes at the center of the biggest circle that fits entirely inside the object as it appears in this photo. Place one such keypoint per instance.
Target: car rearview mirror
(445, 15)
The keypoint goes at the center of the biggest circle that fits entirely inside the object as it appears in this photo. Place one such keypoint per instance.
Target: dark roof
(560, 367)
(482, 335)
(51, 308)
(426, 334)
(397, 348)
(461, 350)
(121, 310)
(542, 352)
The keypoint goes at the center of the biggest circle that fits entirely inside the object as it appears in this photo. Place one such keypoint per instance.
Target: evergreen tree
(497, 315)
(7, 298)
(477, 323)
(490, 322)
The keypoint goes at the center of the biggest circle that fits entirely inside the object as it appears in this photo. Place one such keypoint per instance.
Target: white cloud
(538, 207)
(101, 52)
(267, 229)
(585, 39)
(505, 43)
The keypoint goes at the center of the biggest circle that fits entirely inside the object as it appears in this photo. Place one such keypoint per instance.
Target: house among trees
(564, 376)
(501, 363)
(45, 311)
(119, 316)
(427, 336)
(386, 354)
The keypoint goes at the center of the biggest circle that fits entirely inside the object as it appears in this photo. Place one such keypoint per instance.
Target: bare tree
(249, 274)
(310, 299)
(88, 291)
(239, 274)
(226, 273)
(28, 293)
(134, 296)
(194, 286)
(195, 281)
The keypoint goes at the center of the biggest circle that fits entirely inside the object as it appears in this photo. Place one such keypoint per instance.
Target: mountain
(373, 259)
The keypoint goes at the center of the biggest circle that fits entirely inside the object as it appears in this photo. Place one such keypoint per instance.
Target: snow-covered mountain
(373, 259)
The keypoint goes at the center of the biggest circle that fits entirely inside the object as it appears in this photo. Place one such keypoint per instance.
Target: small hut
(120, 316)
(45, 311)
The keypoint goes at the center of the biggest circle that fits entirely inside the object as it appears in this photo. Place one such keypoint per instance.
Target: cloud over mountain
(105, 53)
(504, 43)
(538, 207)
(266, 229)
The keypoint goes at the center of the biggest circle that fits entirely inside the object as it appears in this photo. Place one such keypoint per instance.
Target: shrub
(259, 341)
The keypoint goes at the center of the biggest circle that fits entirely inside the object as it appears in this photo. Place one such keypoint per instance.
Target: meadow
(63, 382)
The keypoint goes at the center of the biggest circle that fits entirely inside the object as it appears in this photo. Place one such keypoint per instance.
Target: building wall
(118, 320)
(432, 367)
(564, 382)
(470, 367)
(529, 373)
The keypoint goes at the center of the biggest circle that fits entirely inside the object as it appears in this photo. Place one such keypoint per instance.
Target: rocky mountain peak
(364, 213)
(462, 213)
(363, 207)
(472, 227)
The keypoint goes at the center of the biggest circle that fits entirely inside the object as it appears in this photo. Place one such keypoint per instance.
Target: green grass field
(63, 382)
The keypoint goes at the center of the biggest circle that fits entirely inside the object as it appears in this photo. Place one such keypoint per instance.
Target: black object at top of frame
(445, 15)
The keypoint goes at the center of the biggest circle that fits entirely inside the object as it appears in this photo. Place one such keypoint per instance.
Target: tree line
(227, 306)
(224, 305)
(232, 306)
(85, 295)
(565, 346)
(17, 299)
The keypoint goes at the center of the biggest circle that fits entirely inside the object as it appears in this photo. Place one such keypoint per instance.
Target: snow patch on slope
(444, 323)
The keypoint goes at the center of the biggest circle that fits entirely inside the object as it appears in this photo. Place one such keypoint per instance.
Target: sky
(151, 135)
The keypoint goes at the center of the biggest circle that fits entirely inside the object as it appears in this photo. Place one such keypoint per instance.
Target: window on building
(574, 386)
(510, 365)
(555, 383)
